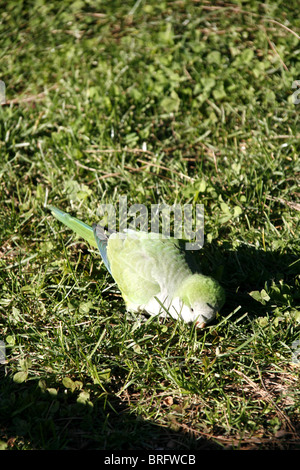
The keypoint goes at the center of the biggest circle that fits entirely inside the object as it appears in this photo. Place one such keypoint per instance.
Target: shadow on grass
(34, 419)
(244, 270)
(247, 269)
(31, 417)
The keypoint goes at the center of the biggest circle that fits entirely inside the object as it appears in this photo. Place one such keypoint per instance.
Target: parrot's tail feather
(100, 232)
(102, 239)
(82, 229)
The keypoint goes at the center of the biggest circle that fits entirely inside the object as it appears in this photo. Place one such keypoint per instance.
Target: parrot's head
(202, 297)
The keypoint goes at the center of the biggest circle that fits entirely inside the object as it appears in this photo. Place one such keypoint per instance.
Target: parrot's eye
(192, 309)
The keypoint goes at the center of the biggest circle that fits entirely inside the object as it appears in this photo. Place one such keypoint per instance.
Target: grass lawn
(185, 102)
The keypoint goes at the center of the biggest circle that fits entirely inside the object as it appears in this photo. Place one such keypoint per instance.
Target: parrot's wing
(145, 265)
(132, 266)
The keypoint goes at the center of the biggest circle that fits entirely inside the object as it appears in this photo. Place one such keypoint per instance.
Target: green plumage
(82, 229)
(151, 270)
(142, 262)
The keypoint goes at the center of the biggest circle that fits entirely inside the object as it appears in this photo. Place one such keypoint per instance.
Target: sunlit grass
(177, 102)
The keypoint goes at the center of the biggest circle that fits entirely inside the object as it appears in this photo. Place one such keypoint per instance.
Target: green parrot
(152, 272)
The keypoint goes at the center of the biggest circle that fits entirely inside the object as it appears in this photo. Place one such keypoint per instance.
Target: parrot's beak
(200, 324)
